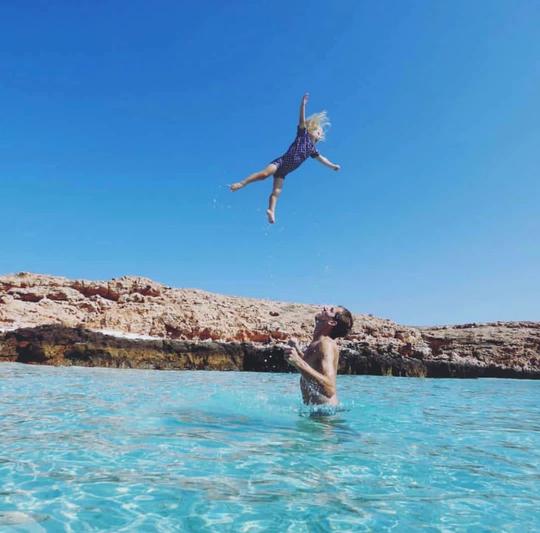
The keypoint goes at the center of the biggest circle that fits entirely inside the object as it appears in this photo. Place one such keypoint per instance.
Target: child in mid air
(310, 131)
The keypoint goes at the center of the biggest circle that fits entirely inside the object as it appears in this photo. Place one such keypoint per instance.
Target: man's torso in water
(312, 392)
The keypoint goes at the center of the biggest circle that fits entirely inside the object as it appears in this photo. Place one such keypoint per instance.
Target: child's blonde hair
(318, 120)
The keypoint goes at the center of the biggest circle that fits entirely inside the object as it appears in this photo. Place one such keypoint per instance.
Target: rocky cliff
(138, 323)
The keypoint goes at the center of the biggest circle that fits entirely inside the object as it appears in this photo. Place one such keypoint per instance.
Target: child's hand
(337, 167)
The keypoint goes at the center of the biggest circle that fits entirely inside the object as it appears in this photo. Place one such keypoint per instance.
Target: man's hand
(305, 98)
(291, 356)
(293, 343)
(336, 167)
(293, 352)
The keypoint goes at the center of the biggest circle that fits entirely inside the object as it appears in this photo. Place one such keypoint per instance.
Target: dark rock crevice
(59, 345)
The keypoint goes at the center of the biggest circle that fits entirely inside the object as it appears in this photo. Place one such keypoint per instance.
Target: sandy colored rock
(511, 345)
(55, 320)
(142, 306)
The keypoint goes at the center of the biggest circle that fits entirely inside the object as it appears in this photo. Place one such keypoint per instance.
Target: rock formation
(137, 323)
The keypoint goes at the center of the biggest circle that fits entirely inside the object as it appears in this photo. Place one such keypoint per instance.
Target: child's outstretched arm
(327, 162)
(302, 119)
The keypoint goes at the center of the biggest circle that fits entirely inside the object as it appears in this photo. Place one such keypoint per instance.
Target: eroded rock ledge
(134, 322)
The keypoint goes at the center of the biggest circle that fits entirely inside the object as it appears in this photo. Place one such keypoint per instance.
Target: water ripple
(108, 450)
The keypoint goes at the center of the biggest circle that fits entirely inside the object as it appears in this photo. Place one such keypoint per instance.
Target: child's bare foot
(236, 186)
(271, 216)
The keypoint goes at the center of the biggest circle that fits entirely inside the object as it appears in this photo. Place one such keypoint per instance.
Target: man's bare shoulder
(323, 347)
(328, 342)
(328, 346)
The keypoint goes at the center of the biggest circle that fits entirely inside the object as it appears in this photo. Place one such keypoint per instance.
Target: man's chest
(312, 357)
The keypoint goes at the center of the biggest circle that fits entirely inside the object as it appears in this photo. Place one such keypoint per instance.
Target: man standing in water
(319, 363)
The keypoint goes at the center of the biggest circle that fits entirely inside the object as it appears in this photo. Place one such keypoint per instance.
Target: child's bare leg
(276, 191)
(256, 176)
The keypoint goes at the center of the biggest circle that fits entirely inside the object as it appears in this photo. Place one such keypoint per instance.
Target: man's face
(327, 314)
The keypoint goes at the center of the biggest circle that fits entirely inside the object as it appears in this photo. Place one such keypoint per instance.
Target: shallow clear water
(133, 450)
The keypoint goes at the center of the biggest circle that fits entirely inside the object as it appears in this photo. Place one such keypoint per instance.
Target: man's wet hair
(344, 324)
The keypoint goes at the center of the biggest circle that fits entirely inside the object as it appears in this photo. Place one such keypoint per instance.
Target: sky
(122, 123)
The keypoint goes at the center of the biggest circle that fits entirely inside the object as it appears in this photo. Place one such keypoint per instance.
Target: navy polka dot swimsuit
(302, 148)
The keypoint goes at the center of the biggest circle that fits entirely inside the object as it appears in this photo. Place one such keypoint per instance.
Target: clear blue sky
(122, 122)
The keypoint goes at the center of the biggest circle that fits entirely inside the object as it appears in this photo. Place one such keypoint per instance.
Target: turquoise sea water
(134, 450)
